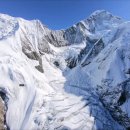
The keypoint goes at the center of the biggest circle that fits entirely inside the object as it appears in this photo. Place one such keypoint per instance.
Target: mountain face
(73, 79)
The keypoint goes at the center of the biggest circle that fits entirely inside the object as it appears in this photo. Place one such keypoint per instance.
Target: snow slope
(73, 79)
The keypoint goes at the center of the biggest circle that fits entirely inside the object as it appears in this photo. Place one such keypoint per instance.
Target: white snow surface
(62, 98)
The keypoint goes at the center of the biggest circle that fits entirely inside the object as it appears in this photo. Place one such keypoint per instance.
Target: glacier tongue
(73, 79)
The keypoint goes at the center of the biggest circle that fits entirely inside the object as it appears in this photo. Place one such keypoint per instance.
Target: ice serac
(71, 79)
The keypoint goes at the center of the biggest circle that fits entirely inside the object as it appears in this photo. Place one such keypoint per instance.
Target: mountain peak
(98, 12)
(101, 13)
(104, 15)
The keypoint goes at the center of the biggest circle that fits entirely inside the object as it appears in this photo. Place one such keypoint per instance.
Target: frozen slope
(69, 79)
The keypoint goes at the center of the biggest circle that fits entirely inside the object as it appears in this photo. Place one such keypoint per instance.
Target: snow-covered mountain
(72, 79)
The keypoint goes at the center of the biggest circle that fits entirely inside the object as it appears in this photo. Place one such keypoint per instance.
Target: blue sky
(60, 14)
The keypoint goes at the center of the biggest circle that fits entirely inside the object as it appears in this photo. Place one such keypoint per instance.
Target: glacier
(71, 79)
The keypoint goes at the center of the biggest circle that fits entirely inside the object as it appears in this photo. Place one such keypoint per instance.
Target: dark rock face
(56, 63)
(44, 47)
(71, 62)
(32, 55)
(56, 38)
(112, 98)
(94, 48)
(3, 109)
(39, 68)
(2, 115)
(122, 98)
(128, 128)
(35, 56)
(72, 33)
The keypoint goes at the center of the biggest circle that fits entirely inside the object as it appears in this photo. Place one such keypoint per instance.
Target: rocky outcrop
(113, 98)
(40, 66)
(92, 49)
(2, 115)
(71, 62)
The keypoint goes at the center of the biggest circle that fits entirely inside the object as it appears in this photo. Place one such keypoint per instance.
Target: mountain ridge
(72, 79)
